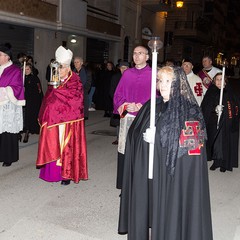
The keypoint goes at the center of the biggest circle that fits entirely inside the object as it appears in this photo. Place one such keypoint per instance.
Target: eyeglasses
(139, 53)
(62, 67)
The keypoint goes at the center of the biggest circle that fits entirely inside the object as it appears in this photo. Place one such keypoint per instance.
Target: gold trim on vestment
(57, 124)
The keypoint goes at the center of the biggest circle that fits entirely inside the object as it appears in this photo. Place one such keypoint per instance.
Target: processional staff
(155, 44)
(24, 66)
(219, 108)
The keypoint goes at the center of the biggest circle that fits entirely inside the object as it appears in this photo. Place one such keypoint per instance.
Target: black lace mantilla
(182, 107)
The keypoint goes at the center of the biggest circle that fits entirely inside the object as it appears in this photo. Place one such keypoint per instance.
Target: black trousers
(120, 166)
(9, 147)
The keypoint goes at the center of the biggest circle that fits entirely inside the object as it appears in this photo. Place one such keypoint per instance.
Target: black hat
(187, 59)
(6, 48)
(121, 64)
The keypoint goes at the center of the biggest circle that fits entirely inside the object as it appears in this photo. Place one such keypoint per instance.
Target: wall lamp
(179, 4)
(73, 40)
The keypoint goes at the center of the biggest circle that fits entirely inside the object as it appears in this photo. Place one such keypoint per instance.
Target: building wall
(37, 9)
(156, 22)
(70, 19)
(45, 44)
(106, 5)
(129, 20)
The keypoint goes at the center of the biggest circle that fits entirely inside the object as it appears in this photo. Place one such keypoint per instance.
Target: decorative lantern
(179, 4)
(155, 44)
(55, 77)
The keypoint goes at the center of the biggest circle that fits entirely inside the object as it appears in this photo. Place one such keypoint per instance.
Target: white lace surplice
(11, 118)
(125, 124)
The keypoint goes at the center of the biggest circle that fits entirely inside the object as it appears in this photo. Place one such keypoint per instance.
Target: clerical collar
(141, 67)
(208, 70)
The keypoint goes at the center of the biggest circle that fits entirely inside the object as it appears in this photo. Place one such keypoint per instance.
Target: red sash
(206, 79)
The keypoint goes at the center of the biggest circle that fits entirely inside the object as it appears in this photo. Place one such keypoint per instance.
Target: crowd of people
(197, 120)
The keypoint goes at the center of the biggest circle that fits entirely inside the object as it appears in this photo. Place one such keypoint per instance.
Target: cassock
(134, 86)
(222, 143)
(11, 116)
(176, 207)
(62, 150)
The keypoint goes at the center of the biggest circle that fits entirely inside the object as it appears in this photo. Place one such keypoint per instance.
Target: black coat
(108, 103)
(175, 207)
(33, 96)
(115, 118)
(222, 143)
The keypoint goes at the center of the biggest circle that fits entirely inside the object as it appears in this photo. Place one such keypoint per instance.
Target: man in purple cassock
(133, 90)
(11, 102)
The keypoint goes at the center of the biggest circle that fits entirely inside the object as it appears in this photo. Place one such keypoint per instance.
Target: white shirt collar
(2, 67)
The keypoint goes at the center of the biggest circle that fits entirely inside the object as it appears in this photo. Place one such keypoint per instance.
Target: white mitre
(63, 55)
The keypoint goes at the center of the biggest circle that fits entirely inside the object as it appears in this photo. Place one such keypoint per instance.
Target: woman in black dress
(222, 143)
(175, 204)
(33, 96)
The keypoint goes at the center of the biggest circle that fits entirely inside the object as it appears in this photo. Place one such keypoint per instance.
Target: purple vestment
(134, 86)
(12, 77)
(51, 172)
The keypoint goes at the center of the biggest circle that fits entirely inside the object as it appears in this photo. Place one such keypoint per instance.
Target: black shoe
(106, 114)
(115, 142)
(222, 169)
(6, 164)
(19, 137)
(25, 140)
(65, 182)
(213, 167)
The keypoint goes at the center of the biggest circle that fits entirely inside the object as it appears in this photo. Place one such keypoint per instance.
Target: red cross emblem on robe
(198, 89)
(192, 137)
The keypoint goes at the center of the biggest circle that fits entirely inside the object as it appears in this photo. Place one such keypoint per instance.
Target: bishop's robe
(62, 153)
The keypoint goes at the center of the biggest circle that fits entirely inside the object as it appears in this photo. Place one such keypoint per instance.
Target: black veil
(182, 106)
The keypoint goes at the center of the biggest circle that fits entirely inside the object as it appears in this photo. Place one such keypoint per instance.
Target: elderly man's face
(78, 63)
(63, 71)
(187, 67)
(207, 62)
(4, 58)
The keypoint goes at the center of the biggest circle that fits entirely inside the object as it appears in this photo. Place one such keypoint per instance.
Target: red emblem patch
(198, 89)
(192, 137)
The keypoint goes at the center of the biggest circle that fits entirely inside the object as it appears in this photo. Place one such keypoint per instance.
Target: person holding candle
(222, 142)
(175, 203)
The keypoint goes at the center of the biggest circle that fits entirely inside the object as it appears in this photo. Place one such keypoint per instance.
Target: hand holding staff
(219, 108)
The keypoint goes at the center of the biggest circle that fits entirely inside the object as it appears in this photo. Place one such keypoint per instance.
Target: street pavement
(32, 209)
